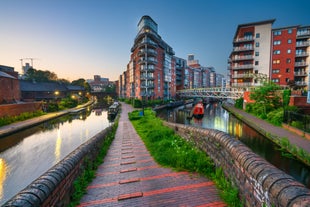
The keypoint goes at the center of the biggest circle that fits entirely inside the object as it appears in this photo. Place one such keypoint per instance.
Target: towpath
(129, 176)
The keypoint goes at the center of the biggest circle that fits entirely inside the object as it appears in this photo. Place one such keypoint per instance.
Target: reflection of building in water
(235, 129)
(58, 146)
(3, 171)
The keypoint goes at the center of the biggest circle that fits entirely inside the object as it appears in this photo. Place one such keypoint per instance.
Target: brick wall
(10, 91)
(258, 181)
(55, 186)
(17, 109)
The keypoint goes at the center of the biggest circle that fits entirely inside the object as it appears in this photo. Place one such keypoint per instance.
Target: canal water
(216, 117)
(26, 155)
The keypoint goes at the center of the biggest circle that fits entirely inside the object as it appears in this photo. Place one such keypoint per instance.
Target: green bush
(239, 103)
(276, 117)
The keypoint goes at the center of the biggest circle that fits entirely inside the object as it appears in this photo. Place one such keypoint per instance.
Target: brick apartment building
(290, 56)
(260, 52)
(151, 69)
(154, 72)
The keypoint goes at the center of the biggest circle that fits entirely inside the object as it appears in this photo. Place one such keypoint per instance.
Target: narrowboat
(113, 109)
(198, 111)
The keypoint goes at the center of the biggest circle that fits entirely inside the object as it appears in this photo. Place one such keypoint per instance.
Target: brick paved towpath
(130, 177)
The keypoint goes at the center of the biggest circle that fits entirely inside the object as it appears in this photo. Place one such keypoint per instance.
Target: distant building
(98, 84)
(9, 85)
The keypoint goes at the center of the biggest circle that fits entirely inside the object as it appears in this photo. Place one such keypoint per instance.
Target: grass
(23, 116)
(171, 150)
(90, 167)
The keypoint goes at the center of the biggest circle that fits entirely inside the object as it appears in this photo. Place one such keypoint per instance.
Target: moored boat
(198, 111)
(113, 109)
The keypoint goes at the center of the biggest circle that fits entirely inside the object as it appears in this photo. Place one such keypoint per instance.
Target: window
(275, 80)
(289, 41)
(256, 62)
(257, 44)
(256, 53)
(289, 31)
(257, 35)
(287, 80)
(277, 42)
(276, 62)
(289, 51)
(276, 52)
(288, 60)
(275, 70)
(276, 33)
(287, 70)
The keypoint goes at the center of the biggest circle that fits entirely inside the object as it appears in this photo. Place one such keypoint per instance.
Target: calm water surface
(218, 118)
(26, 155)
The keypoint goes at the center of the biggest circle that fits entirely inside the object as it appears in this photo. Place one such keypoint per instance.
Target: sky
(82, 38)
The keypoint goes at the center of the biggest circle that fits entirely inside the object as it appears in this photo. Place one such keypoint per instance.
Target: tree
(267, 98)
(81, 82)
(40, 75)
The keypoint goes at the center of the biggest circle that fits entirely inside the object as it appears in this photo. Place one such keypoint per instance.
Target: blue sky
(80, 39)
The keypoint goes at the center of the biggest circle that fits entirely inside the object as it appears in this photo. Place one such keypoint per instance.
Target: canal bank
(18, 126)
(274, 133)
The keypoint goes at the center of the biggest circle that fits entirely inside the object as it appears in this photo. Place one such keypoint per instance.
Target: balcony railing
(240, 67)
(303, 33)
(300, 83)
(300, 64)
(238, 49)
(245, 57)
(242, 75)
(244, 39)
(149, 61)
(303, 44)
(144, 77)
(147, 85)
(302, 54)
(300, 73)
(247, 84)
(149, 52)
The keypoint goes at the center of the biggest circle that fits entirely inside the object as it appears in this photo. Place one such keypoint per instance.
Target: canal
(216, 117)
(26, 155)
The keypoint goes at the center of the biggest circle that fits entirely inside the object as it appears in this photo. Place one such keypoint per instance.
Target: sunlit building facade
(249, 62)
(151, 70)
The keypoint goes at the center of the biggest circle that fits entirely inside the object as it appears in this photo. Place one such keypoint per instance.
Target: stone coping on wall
(259, 182)
(53, 186)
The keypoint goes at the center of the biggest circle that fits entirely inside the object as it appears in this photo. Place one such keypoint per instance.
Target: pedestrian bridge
(217, 92)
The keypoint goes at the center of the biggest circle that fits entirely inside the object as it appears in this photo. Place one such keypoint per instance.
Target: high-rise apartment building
(290, 56)
(250, 58)
(151, 69)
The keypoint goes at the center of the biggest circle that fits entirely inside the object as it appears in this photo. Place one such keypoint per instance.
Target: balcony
(303, 33)
(241, 67)
(246, 75)
(301, 64)
(303, 44)
(147, 69)
(300, 83)
(148, 61)
(300, 73)
(246, 84)
(147, 85)
(149, 52)
(244, 57)
(149, 77)
(302, 54)
(147, 43)
(244, 39)
(241, 49)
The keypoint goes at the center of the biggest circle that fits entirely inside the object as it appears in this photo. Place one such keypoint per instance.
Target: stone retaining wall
(258, 181)
(55, 186)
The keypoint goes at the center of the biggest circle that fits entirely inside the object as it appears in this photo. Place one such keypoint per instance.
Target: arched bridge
(217, 92)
